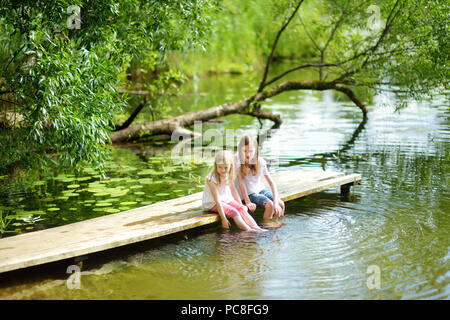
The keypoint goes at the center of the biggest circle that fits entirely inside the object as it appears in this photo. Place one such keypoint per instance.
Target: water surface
(396, 221)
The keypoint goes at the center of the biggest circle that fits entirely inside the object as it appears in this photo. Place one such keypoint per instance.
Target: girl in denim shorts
(250, 169)
(220, 195)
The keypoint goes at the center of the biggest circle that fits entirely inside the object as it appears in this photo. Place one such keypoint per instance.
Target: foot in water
(270, 223)
(259, 229)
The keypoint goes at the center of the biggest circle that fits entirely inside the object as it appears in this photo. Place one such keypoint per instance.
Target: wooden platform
(144, 223)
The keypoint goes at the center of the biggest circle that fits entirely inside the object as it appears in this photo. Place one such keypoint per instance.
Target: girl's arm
(235, 193)
(273, 186)
(212, 186)
(251, 206)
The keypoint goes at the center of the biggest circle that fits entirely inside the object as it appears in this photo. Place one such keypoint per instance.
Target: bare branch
(309, 35)
(133, 116)
(14, 56)
(308, 65)
(352, 96)
(274, 45)
(373, 48)
(338, 23)
(389, 22)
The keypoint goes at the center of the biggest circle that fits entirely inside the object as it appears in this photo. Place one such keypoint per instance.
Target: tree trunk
(249, 106)
(178, 124)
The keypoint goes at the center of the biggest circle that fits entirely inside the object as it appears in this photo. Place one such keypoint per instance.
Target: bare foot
(258, 229)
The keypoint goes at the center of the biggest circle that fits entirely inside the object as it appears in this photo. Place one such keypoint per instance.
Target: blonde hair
(254, 163)
(224, 157)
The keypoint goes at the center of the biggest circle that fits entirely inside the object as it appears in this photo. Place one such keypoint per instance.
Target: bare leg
(250, 221)
(241, 224)
(281, 203)
(268, 211)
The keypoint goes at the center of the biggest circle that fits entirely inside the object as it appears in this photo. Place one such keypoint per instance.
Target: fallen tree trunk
(179, 124)
(249, 106)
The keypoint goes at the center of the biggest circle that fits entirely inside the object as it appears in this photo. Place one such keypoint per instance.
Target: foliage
(64, 80)
(241, 35)
(349, 38)
(405, 47)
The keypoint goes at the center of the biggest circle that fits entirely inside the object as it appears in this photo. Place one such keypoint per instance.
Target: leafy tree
(62, 83)
(398, 45)
(61, 65)
(394, 45)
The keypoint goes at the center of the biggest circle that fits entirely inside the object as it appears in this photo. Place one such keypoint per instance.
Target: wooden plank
(303, 189)
(142, 223)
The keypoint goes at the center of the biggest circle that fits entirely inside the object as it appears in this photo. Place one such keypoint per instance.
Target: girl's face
(249, 153)
(223, 169)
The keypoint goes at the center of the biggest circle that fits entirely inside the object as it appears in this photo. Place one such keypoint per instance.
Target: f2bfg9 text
(246, 309)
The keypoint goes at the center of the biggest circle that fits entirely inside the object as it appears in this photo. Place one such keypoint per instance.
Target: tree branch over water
(274, 45)
(68, 80)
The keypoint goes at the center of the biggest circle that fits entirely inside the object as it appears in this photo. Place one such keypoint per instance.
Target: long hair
(253, 165)
(224, 157)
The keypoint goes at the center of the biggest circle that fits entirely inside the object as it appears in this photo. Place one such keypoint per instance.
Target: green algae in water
(101, 194)
(80, 179)
(145, 181)
(128, 203)
(99, 209)
(147, 172)
(118, 192)
(94, 190)
(162, 194)
(70, 193)
(111, 210)
(103, 204)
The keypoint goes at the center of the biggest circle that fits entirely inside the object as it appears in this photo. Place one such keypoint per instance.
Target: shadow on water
(22, 283)
(347, 145)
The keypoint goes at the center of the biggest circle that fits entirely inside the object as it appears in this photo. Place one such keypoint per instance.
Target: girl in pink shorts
(220, 195)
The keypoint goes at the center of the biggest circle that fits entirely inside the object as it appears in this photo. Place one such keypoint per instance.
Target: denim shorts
(262, 197)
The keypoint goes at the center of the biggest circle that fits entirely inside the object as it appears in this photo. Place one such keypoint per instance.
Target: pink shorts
(230, 208)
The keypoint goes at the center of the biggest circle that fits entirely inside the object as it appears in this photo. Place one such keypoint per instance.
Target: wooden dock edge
(57, 256)
(186, 214)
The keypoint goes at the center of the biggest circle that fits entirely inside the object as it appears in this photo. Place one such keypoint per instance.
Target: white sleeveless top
(224, 192)
(253, 184)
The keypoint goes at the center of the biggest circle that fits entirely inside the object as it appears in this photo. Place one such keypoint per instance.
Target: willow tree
(395, 45)
(62, 62)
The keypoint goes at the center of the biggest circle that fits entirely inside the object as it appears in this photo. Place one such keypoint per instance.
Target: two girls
(220, 194)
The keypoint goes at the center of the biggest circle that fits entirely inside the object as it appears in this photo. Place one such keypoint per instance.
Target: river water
(389, 240)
